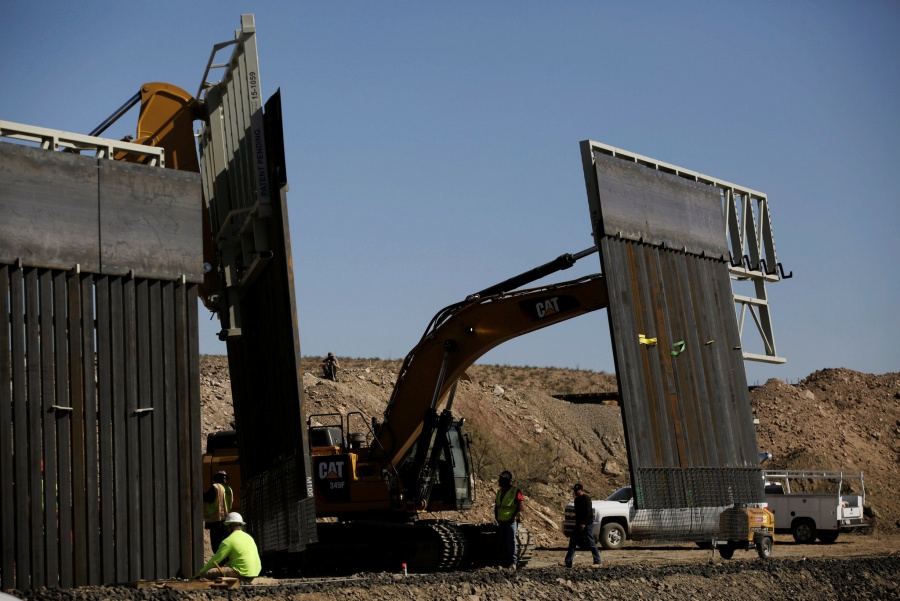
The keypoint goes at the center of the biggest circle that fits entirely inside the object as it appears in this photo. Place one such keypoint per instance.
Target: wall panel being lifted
(686, 409)
(245, 186)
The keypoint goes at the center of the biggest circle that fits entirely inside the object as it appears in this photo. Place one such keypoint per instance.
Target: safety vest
(215, 511)
(506, 504)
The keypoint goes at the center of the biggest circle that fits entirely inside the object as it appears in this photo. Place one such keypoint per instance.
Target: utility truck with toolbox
(816, 504)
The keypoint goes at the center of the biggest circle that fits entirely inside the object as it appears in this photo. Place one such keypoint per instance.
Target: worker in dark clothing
(330, 366)
(584, 527)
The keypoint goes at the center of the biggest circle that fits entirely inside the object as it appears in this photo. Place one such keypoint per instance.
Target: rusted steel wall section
(60, 210)
(244, 182)
(99, 372)
(686, 409)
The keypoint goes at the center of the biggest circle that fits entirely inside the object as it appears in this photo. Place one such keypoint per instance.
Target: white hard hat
(234, 518)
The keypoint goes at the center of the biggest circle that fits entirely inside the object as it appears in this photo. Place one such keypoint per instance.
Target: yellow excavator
(381, 478)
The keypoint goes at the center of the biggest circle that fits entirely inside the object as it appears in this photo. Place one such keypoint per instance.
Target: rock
(611, 468)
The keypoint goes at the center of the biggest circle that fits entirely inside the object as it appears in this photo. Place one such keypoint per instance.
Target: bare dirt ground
(833, 419)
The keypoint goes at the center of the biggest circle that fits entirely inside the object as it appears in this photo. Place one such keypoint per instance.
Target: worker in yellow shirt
(238, 551)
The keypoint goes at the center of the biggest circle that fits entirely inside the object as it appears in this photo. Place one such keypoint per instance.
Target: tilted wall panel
(244, 185)
(686, 410)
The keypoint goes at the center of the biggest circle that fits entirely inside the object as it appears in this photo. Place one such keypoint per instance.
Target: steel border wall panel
(131, 482)
(71, 498)
(150, 222)
(120, 435)
(63, 424)
(677, 406)
(49, 396)
(160, 483)
(7, 505)
(49, 205)
(23, 569)
(264, 359)
(105, 421)
(35, 412)
(143, 415)
(190, 292)
(173, 521)
(91, 543)
(83, 466)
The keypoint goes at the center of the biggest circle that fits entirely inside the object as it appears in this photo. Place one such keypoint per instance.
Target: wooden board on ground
(189, 585)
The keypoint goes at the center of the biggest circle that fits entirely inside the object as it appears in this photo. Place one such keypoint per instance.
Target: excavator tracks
(484, 545)
(422, 546)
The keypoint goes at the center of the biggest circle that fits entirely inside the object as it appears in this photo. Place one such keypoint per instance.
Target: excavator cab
(444, 476)
(334, 433)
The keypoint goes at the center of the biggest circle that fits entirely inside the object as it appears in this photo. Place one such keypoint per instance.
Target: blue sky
(432, 149)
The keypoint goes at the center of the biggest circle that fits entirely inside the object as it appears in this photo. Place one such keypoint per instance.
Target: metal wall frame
(751, 245)
(99, 375)
(245, 187)
(677, 348)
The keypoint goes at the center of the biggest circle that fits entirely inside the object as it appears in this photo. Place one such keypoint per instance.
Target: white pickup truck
(616, 520)
(821, 514)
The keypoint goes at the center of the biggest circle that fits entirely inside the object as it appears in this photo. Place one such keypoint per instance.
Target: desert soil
(833, 419)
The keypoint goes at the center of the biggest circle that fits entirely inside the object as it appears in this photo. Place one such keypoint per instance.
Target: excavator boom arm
(465, 334)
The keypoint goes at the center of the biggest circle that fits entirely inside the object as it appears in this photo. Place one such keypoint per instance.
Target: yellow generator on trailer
(743, 527)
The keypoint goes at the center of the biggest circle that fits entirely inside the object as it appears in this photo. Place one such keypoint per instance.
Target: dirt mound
(837, 419)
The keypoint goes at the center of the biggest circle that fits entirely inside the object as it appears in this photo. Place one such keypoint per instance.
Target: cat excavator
(392, 475)
(383, 482)
(379, 484)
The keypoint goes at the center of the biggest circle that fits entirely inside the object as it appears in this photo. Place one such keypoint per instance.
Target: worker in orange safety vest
(216, 506)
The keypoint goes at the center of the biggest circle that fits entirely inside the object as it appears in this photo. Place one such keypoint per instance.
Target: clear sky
(432, 149)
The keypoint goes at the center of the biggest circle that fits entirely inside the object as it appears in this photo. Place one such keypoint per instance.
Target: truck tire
(726, 551)
(764, 547)
(612, 536)
(827, 536)
(804, 531)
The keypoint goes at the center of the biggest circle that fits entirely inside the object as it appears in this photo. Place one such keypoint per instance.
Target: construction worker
(330, 366)
(237, 556)
(584, 527)
(216, 505)
(507, 511)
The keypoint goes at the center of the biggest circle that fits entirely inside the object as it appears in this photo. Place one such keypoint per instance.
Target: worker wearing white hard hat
(237, 556)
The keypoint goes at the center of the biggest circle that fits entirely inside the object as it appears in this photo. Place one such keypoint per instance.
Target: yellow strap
(648, 341)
